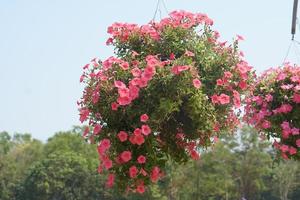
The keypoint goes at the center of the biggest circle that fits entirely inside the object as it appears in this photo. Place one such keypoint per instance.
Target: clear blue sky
(44, 44)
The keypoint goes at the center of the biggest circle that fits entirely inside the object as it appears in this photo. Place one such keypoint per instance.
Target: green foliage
(17, 154)
(237, 166)
(62, 175)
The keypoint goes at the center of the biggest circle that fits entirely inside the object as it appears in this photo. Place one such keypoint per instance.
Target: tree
(72, 142)
(285, 177)
(253, 164)
(17, 154)
(5, 143)
(61, 176)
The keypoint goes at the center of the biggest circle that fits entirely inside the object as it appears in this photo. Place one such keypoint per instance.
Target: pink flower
(243, 68)
(295, 131)
(86, 131)
(119, 84)
(141, 159)
(103, 78)
(133, 171)
(286, 133)
(110, 180)
(236, 99)
(174, 70)
(152, 61)
(216, 127)
(150, 70)
(100, 169)
(284, 148)
(123, 92)
(243, 85)
(137, 131)
(147, 76)
(107, 164)
(122, 135)
(183, 68)
(143, 172)
(194, 154)
(292, 151)
(143, 82)
(97, 129)
(155, 174)
(196, 83)
(139, 139)
(105, 143)
(298, 143)
(178, 69)
(224, 99)
(189, 53)
(227, 75)
(146, 130)
(84, 113)
(133, 92)
(172, 56)
(82, 78)
(296, 98)
(284, 156)
(220, 82)
(124, 100)
(216, 139)
(134, 54)
(132, 139)
(124, 65)
(114, 106)
(297, 88)
(269, 98)
(140, 188)
(135, 82)
(125, 156)
(136, 72)
(276, 145)
(285, 125)
(285, 108)
(239, 37)
(281, 76)
(266, 124)
(86, 66)
(144, 118)
(214, 99)
(295, 78)
(95, 97)
(109, 41)
(103, 146)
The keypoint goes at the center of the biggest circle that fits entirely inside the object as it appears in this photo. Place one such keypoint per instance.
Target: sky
(44, 44)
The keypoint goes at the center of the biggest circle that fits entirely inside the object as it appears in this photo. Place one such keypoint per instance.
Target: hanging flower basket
(274, 108)
(171, 88)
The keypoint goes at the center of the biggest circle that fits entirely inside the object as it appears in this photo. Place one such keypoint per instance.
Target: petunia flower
(224, 99)
(122, 135)
(146, 130)
(125, 156)
(296, 98)
(141, 159)
(196, 83)
(144, 118)
(133, 171)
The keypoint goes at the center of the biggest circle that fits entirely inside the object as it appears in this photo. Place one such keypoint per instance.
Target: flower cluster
(172, 88)
(274, 108)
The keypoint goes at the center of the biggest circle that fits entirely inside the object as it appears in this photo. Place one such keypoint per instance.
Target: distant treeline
(65, 168)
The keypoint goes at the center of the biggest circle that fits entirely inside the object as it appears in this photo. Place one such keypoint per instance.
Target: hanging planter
(274, 108)
(171, 88)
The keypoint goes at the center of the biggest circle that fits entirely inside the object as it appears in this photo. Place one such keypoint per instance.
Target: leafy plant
(274, 108)
(171, 88)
